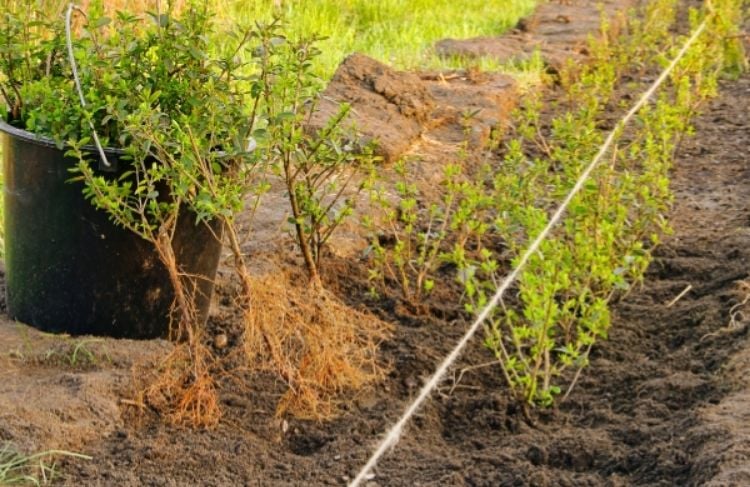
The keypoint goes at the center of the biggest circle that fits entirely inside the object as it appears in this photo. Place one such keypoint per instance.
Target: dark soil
(658, 406)
(664, 402)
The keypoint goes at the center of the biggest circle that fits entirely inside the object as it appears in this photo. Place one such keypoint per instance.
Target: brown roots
(183, 389)
(322, 348)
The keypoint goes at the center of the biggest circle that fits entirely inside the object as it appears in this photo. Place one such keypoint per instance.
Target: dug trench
(664, 401)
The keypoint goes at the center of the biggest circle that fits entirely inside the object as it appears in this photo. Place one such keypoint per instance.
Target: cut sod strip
(393, 434)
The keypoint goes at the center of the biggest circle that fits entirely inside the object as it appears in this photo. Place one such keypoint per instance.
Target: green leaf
(101, 22)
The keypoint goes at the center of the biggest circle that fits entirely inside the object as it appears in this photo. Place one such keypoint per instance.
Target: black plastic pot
(69, 269)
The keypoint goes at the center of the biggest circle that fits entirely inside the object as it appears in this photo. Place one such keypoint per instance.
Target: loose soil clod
(388, 106)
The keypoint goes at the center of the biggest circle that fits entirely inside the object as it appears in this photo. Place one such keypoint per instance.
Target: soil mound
(426, 113)
(559, 31)
(388, 106)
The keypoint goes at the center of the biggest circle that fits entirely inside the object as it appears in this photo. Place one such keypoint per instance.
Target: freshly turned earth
(558, 30)
(424, 113)
(398, 108)
(665, 401)
(389, 106)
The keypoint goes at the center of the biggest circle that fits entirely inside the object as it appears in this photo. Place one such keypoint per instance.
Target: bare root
(324, 349)
(183, 388)
(181, 395)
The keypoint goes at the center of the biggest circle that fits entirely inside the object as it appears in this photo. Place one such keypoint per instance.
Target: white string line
(74, 67)
(393, 435)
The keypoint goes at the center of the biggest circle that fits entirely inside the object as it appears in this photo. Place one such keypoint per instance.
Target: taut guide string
(392, 436)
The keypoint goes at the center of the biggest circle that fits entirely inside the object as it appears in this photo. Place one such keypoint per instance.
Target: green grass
(398, 32)
(38, 469)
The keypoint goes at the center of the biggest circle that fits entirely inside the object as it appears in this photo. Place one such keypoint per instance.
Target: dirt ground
(664, 402)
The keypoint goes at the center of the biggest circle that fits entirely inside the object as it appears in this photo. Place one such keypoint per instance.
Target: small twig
(461, 373)
(680, 296)
(576, 377)
(736, 316)
(129, 402)
(736, 312)
(734, 325)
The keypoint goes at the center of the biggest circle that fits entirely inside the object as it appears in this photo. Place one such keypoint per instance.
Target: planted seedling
(543, 336)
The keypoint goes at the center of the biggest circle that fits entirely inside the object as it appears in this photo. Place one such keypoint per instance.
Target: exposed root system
(319, 345)
(183, 389)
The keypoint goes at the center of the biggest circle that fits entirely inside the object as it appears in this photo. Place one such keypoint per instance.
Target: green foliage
(416, 229)
(201, 126)
(479, 220)
(125, 63)
(726, 23)
(413, 224)
(178, 111)
(319, 167)
(30, 49)
(604, 244)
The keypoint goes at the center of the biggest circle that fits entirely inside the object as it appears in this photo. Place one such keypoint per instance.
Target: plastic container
(69, 269)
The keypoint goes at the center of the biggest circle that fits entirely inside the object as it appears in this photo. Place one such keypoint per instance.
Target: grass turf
(398, 32)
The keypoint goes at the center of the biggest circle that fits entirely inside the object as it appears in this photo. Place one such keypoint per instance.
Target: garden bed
(662, 403)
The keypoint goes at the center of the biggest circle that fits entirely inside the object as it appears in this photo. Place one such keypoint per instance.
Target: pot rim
(44, 141)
